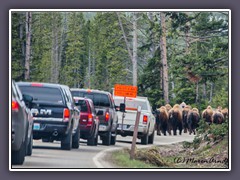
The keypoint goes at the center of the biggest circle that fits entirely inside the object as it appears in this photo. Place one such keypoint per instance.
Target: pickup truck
(55, 115)
(105, 110)
(126, 123)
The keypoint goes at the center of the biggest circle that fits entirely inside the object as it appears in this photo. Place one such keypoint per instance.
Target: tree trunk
(211, 92)
(28, 45)
(152, 47)
(187, 40)
(132, 55)
(54, 64)
(163, 47)
(197, 95)
(134, 59)
(21, 28)
(204, 90)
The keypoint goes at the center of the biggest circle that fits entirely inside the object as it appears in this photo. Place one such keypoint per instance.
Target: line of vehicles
(54, 112)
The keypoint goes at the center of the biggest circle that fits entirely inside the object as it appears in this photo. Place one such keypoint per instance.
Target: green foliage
(149, 82)
(221, 98)
(92, 53)
(218, 130)
(203, 127)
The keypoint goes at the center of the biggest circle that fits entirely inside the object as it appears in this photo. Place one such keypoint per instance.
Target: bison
(207, 114)
(175, 119)
(193, 119)
(185, 111)
(163, 121)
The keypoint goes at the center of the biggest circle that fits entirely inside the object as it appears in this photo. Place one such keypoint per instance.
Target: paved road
(50, 156)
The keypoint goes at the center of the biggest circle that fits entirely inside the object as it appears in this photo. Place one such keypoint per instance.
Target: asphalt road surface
(50, 156)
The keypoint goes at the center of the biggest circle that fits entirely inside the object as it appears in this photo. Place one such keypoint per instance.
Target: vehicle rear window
(77, 93)
(43, 94)
(98, 99)
(82, 106)
(132, 103)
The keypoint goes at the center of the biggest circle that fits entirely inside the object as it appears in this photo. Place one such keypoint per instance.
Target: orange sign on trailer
(125, 90)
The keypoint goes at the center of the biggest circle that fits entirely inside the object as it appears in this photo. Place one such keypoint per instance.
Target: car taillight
(107, 116)
(145, 119)
(66, 114)
(15, 106)
(90, 120)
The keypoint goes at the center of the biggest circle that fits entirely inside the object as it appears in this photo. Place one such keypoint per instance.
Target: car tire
(75, 139)
(18, 157)
(113, 138)
(29, 147)
(144, 139)
(106, 140)
(151, 138)
(93, 140)
(66, 142)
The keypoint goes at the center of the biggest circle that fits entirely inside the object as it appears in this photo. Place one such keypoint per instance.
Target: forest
(172, 57)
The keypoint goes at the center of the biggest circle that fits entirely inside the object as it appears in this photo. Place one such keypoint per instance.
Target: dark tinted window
(98, 99)
(77, 94)
(82, 106)
(43, 94)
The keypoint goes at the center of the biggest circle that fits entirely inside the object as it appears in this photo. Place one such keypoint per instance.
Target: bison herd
(185, 118)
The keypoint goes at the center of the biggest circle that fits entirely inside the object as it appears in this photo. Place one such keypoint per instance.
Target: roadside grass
(165, 156)
(122, 159)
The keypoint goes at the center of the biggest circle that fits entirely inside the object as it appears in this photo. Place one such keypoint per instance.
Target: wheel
(93, 141)
(29, 147)
(151, 138)
(113, 138)
(106, 140)
(18, 157)
(66, 142)
(75, 139)
(144, 139)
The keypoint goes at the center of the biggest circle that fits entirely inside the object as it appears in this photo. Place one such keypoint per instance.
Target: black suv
(106, 112)
(22, 123)
(55, 114)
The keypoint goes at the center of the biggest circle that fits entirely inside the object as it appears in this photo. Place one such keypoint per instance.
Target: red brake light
(66, 114)
(107, 116)
(90, 120)
(37, 84)
(15, 106)
(145, 119)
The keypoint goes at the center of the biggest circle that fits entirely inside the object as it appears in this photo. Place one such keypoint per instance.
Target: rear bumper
(54, 130)
(86, 131)
(128, 130)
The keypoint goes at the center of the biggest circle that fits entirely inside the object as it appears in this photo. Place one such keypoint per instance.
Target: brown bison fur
(225, 112)
(175, 119)
(185, 111)
(193, 119)
(163, 119)
(207, 114)
(217, 117)
(168, 107)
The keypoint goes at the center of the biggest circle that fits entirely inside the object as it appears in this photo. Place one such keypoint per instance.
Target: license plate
(122, 126)
(36, 126)
(102, 128)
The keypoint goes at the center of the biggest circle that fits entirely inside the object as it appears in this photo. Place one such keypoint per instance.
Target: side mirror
(117, 108)
(122, 107)
(76, 102)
